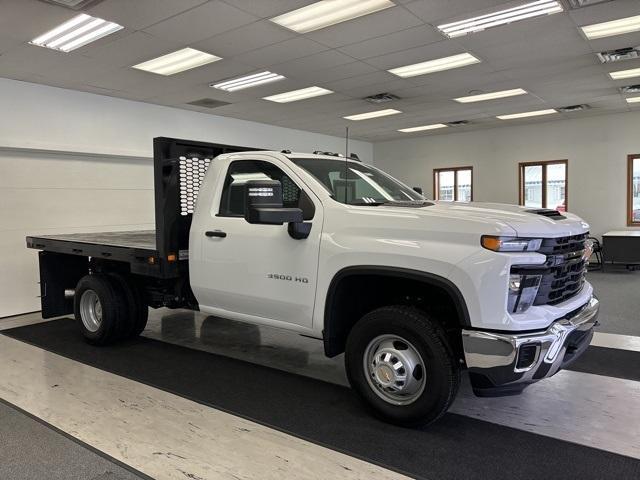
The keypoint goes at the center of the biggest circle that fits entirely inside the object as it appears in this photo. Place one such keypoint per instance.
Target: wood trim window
(453, 184)
(633, 190)
(544, 184)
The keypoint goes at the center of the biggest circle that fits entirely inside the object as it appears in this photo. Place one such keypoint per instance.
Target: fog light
(527, 356)
(522, 292)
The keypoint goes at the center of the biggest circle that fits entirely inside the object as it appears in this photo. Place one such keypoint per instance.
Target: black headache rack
(179, 169)
(160, 256)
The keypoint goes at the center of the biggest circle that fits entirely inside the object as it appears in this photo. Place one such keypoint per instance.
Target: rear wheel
(100, 309)
(137, 308)
(400, 363)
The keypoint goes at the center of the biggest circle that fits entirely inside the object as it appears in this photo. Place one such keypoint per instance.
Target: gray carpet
(30, 450)
(619, 292)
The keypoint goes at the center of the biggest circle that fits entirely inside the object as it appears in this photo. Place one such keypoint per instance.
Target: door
(259, 271)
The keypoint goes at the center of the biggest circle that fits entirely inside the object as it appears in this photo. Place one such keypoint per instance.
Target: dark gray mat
(456, 447)
(31, 450)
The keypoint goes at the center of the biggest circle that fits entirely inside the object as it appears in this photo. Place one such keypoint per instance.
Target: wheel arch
(339, 311)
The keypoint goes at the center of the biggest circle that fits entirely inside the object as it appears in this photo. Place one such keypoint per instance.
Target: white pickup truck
(410, 290)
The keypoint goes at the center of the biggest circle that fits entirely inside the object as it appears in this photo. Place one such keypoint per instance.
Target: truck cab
(412, 291)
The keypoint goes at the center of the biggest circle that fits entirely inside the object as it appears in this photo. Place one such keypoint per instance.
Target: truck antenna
(346, 165)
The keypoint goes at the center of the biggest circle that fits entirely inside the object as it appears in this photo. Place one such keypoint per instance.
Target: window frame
(630, 159)
(455, 170)
(291, 176)
(543, 164)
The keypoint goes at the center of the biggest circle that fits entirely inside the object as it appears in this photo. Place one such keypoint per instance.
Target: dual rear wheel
(109, 307)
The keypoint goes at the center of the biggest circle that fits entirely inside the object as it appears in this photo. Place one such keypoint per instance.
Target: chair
(597, 252)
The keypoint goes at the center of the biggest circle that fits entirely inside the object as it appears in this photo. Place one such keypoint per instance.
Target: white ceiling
(547, 56)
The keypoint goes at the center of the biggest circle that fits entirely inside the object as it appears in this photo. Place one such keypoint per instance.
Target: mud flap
(59, 272)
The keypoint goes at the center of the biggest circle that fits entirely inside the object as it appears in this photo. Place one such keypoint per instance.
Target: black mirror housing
(418, 190)
(263, 204)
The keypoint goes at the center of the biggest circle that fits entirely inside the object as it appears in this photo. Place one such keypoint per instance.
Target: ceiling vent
(574, 108)
(458, 123)
(208, 103)
(630, 89)
(584, 3)
(73, 4)
(620, 54)
(382, 98)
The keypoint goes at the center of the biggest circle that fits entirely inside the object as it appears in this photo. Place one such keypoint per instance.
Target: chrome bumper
(499, 365)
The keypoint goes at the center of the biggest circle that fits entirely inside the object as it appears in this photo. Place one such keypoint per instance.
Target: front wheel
(400, 363)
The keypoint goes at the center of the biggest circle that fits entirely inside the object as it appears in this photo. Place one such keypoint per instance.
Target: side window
(241, 171)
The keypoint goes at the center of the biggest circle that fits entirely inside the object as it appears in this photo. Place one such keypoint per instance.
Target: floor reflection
(266, 346)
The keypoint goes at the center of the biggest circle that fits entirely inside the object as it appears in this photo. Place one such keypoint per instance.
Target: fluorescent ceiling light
(614, 27)
(438, 65)
(622, 74)
(177, 62)
(633, 100)
(296, 95)
(328, 12)
(423, 127)
(500, 17)
(527, 114)
(76, 33)
(491, 95)
(376, 114)
(247, 81)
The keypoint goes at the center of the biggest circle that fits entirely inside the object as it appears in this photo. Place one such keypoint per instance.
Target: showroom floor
(201, 397)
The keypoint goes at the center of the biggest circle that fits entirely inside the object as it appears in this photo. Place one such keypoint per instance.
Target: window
(453, 184)
(355, 183)
(241, 171)
(544, 185)
(633, 191)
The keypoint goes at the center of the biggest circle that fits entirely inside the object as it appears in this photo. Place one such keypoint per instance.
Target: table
(621, 246)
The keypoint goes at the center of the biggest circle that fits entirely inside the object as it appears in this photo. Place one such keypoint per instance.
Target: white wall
(596, 147)
(79, 162)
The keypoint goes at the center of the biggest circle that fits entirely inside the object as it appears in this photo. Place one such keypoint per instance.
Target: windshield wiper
(368, 204)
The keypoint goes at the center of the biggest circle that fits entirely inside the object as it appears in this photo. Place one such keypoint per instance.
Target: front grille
(564, 272)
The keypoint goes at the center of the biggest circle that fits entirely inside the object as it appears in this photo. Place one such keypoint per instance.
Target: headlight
(510, 244)
(522, 292)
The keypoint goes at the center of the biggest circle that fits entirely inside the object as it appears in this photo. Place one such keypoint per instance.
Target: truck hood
(524, 220)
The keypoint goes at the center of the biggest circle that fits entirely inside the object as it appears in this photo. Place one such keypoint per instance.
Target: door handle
(216, 233)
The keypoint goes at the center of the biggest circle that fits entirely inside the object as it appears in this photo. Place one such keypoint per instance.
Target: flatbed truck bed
(154, 260)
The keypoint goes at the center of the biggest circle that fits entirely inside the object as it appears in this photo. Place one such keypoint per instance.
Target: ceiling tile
(337, 72)
(605, 12)
(201, 22)
(307, 65)
(434, 11)
(281, 52)
(384, 22)
(269, 8)
(416, 55)
(139, 14)
(244, 39)
(130, 49)
(394, 42)
(24, 20)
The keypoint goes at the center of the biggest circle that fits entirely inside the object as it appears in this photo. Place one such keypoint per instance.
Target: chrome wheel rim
(90, 311)
(394, 369)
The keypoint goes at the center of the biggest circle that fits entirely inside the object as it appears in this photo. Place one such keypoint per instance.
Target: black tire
(137, 308)
(426, 336)
(113, 308)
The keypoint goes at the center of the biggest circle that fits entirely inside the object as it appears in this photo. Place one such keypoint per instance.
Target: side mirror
(418, 190)
(263, 204)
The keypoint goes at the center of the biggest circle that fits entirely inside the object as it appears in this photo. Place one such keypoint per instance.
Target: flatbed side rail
(141, 261)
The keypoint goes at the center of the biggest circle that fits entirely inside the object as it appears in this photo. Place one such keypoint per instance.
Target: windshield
(356, 183)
